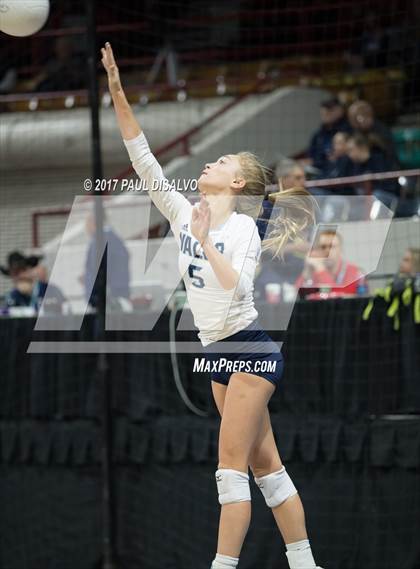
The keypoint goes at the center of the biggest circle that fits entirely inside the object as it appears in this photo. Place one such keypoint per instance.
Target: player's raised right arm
(127, 122)
(167, 200)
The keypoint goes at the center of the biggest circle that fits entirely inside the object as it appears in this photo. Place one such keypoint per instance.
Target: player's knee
(262, 463)
(276, 487)
(232, 486)
(230, 453)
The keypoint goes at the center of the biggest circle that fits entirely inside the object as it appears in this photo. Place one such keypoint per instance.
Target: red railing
(365, 180)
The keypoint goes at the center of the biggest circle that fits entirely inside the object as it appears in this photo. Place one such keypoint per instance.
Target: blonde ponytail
(298, 205)
(298, 214)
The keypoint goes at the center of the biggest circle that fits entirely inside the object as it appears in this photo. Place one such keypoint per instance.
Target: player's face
(220, 177)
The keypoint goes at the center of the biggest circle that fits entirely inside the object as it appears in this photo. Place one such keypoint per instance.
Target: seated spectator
(325, 267)
(410, 263)
(289, 174)
(272, 270)
(333, 120)
(30, 283)
(362, 119)
(367, 160)
(337, 163)
(64, 72)
(118, 275)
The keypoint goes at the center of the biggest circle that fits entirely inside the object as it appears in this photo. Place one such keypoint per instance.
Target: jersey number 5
(196, 280)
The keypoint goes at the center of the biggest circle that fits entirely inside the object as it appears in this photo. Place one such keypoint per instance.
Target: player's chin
(202, 186)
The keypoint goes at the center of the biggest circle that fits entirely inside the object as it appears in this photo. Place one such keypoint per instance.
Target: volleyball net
(204, 79)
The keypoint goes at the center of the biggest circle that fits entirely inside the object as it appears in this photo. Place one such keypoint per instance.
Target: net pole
(102, 364)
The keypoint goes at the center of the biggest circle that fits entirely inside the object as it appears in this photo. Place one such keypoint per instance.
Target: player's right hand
(200, 220)
(108, 61)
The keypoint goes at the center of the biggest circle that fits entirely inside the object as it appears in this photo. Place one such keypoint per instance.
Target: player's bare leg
(265, 459)
(245, 401)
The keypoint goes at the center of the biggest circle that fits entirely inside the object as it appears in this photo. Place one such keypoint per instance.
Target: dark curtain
(358, 471)
(359, 482)
(334, 363)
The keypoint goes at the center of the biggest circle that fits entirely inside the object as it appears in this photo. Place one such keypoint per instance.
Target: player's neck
(221, 210)
(218, 219)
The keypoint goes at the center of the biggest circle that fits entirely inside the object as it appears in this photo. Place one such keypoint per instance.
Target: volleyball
(23, 17)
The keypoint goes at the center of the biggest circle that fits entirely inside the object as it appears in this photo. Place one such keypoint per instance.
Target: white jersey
(217, 312)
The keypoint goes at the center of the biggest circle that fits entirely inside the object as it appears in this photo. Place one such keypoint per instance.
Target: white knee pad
(232, 485)
(276, 487)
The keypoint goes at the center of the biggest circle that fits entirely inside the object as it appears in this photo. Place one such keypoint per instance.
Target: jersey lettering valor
(217, 312)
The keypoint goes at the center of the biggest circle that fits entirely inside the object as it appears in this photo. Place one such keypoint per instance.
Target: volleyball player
(219, 251)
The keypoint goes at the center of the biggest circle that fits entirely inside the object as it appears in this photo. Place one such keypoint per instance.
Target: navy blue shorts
(266, 363)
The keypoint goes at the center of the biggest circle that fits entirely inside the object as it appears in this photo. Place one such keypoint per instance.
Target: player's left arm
(239, 272)
(200, 226)
(227, 276)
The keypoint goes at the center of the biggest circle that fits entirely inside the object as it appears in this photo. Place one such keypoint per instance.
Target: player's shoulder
(245, 224)
(183, 218)
(244, 220)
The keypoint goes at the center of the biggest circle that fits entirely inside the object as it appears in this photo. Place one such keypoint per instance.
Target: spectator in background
(64, 72)
(289, 174)
(367, 160)
(287, 270)
(362, 119)
(410, 263)
(325, 267)
(277, 271)
(337, 163)
(333, 120)
(118, 275)
(30, 283)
